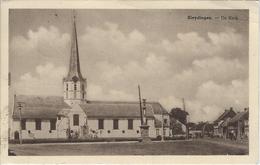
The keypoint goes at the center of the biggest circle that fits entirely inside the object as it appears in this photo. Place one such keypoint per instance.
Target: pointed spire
(74, 67)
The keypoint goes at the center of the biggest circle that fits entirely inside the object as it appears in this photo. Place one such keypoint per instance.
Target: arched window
(67, 87)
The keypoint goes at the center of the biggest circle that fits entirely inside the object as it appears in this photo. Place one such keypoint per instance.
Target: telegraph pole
(20, 115)
(140, 102)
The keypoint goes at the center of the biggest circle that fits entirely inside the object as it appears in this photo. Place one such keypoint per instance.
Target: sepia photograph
(128, 82)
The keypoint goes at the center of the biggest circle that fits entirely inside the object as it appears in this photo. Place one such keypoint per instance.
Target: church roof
(44, 107)
(74, 67)
(115, 110)
(48, 107)
(157, 108)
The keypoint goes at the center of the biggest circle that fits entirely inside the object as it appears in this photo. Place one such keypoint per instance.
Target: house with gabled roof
(220, 124)
(239, 124)
(73, 116)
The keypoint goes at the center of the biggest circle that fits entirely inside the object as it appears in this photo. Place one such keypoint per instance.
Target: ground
(191, 147)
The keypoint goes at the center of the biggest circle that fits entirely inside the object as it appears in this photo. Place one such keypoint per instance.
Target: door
(16, 135)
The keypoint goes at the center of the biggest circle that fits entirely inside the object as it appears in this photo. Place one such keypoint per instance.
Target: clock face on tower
(75, 78)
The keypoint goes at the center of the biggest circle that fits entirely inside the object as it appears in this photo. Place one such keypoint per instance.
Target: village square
(71, 123)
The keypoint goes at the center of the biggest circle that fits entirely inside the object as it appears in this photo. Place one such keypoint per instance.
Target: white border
(253, 79)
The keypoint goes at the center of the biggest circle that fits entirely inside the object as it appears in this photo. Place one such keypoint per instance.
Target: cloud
(45, 80)
(209, 70)
(42, 43)
(227, 38)
(110, 44)
(235, 93)
(171, 102)
(211, 99)
(96, 92)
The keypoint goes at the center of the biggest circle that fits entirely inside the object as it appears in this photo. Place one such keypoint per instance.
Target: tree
(177, 128)
(191, 125)
(180, 115)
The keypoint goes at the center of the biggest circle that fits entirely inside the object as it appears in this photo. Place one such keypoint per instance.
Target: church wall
(62, 126)
(31, 132)
(122, 131)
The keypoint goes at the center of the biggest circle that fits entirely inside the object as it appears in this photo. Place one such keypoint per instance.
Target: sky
(171, 57)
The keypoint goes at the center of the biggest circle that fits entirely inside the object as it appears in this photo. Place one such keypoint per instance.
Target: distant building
(73, 116)
(220, 125)
(239, 125)
(231, 125)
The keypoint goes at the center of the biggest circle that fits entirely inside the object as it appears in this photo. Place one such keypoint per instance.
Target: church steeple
(74, 67)
(74, 83)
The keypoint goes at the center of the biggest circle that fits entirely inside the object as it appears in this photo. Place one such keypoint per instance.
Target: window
(100, 123)
(53, 124)
(157, 132)
(23, 124)
(67, 87)
(130, 123)
(76, 119)
(38, 124)
(165, 121)
(115, 124)
(83, 95)
(82, 87)
(75, 87)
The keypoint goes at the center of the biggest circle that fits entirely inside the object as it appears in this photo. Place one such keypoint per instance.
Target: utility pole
(187, 127)
(140, 102)
(20, 115)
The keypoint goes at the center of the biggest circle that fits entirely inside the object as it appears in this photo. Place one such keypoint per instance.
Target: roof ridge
(37, 95)
(114, 101)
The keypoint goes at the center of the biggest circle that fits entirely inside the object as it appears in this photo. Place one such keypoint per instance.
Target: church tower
(74, 84)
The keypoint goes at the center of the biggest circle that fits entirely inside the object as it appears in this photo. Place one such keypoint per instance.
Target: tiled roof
(156, 106)
(227, 113)
(98, 109)
(44, 107)
(47, 107)
(240, 116)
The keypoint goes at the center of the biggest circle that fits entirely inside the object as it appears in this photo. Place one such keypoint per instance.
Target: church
(74, 116)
